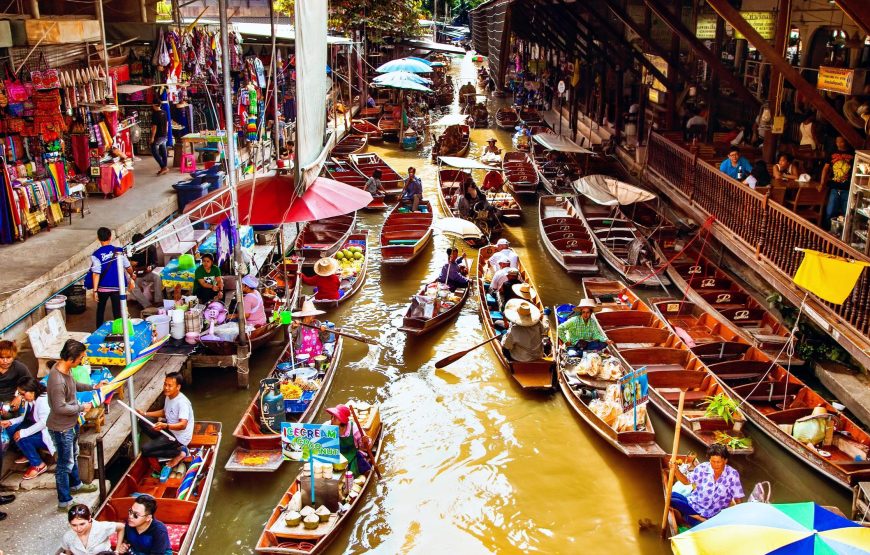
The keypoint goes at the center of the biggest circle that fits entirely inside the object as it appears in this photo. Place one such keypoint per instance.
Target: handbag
(15, 90)
(43, 77)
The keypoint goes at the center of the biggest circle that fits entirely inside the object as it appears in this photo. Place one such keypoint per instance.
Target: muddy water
(472, 464)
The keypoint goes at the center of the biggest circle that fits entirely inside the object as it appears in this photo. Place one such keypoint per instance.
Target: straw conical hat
(308, 309)
(523, 290)
(325, 267)
(522, 313)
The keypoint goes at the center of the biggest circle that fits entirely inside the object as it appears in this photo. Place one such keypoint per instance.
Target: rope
(663, 267)
(700, 252)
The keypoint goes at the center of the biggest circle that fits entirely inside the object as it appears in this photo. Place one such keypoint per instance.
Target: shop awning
(264, 30)
(130, 89)
(557, 142)
(608, 191)
(431, 46)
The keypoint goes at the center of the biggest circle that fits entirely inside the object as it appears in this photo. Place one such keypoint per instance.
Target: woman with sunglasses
(87, 536)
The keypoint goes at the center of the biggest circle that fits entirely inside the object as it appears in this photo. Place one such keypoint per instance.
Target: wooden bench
(47, 338)
(180, 238)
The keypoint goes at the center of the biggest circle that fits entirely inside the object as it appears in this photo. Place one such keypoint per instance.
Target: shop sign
(763, 22)
(657, 86)
(705, 29)
(316, 442)
(656, 96)
(836, 79)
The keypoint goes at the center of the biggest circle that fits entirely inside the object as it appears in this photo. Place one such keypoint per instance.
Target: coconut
(323, 513)
(295, 503)
(339, 255)
(341, 464)
(292, 518)
(307, 510)
(358, 255)
(311, 522)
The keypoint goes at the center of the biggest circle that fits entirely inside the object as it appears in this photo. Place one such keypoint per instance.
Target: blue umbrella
(403, 84)
(401, 76)
(427, 62)
(404, 64)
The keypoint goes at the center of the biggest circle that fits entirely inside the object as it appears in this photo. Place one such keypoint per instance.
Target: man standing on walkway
(105, 275)
(836, 174)
(159, 137)
(62, 423)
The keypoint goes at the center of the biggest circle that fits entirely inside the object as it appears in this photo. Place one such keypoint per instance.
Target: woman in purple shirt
(715, 486)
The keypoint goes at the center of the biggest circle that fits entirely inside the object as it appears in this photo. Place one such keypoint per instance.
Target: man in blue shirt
(735, 166)
(453, 273)
(413, 191)
(144, 534)
(104, 275)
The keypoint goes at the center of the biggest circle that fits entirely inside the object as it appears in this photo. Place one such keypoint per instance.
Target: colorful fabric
(310, 343)
(577, 329)
(830, 278)
(710, 495)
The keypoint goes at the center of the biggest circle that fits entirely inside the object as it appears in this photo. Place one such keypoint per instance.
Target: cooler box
(110, 351)
(172, 276)
(299, 405)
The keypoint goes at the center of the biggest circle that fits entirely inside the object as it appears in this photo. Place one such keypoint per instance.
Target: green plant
(731, 442)
(721, 406)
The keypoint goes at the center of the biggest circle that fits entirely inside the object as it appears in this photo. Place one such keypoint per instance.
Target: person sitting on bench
(413, 191)
(176, 416)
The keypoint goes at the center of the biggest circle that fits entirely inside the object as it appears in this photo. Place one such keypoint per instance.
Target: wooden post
(774, 93)
(34, 9)
(673, 468)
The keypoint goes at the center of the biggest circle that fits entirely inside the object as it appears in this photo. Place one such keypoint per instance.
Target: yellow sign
(706, 26)
(655, 96)
(836, 79)
(778, 125)
(660, 64)
(763, 22)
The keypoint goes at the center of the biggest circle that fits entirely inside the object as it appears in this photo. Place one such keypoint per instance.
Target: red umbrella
(272, 200)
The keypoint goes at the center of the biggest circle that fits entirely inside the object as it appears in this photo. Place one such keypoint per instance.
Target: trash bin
(214, 181)
(189, 191)
(58, 302)
(76, 299)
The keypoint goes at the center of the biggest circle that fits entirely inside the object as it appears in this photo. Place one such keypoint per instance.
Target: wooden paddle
(367, 444)
(456, 356)
(673, 468)
(361, 338)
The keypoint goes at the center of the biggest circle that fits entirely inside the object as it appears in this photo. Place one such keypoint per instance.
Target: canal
(471, 464)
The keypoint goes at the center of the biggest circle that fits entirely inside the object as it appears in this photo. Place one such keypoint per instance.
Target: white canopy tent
(463, 163)
(608, 191)
(559, 143)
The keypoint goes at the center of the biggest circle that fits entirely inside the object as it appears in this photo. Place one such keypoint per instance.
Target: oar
(143, 419)
(673, 468)
(456, 356)
(361, 338)
(367, 444)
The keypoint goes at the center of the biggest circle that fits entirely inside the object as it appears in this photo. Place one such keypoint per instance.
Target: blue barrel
(189, 191)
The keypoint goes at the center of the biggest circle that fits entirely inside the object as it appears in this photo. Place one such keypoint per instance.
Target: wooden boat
(444, 94)
(450, 180)
(370, 113)
(462, 141)
(622, 245)
(350, 144)
(323, 237)
(557, 170)
(344, 172)
(182, 517)
(390, 125)
(507, 118)
(279, 539)
(415, 321)
(501, 198)
(367, 128)
(530, 116)
(643, 340)
(607, 293)
(404, 235)
(771, 396)
(715, 291)
(631, 443)
(535, 375)
(474, 105)
(566, 236)
(366, 164)
(520, 173)
(258, 449)
(352, 276)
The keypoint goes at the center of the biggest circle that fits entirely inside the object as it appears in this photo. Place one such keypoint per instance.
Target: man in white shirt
(501, 276)
(503, 252)
(176, 416)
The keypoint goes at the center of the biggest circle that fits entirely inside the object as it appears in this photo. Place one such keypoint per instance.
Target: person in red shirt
(326, 279)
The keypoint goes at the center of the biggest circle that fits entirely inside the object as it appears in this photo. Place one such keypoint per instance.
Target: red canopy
(272, 200)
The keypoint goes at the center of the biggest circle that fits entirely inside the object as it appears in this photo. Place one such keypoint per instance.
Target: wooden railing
(766, 227)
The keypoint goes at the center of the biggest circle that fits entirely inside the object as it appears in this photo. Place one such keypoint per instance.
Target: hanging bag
(15, 90)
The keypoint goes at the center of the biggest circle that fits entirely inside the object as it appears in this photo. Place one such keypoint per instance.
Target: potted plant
(724, 407)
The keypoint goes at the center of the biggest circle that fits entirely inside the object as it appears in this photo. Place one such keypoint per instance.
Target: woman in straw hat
(581, 331)
(306, 340)
(490, 147)
(325, 279)
(523, 341)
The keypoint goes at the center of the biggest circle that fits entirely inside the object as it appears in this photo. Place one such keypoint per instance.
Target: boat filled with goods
(433, 306)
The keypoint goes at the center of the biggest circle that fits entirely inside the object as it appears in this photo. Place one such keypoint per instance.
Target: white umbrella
(457, 227)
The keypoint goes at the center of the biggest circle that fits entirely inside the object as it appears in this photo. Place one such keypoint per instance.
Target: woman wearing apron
(350, 439)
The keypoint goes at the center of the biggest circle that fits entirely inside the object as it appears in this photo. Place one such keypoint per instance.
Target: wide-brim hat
(502, 241)
(522, 312)
(523, 290)
(326, 267)
(308, 309)
(492, 140)
(587, 303)
(340, 412)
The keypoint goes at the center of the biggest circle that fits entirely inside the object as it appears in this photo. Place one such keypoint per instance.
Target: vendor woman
(716, 486)
(207, 282)
(308, 340)
(325, 279)
(255, 311)
(351, 439)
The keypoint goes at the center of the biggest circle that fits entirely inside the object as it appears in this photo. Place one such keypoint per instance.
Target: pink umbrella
(272, 200)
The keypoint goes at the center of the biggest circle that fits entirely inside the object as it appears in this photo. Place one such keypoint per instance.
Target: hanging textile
(252, 113)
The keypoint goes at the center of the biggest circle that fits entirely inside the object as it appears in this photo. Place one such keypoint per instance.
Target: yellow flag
(830, 278)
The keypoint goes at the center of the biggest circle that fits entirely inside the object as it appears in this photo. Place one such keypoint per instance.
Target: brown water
(471, 463)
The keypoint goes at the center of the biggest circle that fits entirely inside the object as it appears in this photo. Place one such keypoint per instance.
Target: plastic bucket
(176, 330)
(58, 302)
(177, 316)
(160, 325)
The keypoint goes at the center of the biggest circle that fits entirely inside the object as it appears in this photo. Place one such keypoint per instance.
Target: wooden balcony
(764, 233)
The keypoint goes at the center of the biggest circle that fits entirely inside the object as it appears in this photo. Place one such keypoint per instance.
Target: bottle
(739, 173)
(330, 326)
(348, 481)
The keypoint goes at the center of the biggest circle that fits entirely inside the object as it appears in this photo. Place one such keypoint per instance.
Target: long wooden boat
(566, 236)
(557, 177)
(631, 443)
(367, 128)
(450, 181)
(415, 322)
(715, 291)
(350, 144)
(352, 275)
(530, 116)
(182, 517)
(622, 245)
(389, 125)
(279, 539)
(507, 118)
(643, 340)
(462, 133)
(773, 398)
(404, 235)
(258, 449)
(535, 375)
(370, 113)
(366, 164)
(520, 173)
(323, 237)
(501, 198)
(344, 172)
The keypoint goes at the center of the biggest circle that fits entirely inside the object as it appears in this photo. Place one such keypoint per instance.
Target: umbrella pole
(673, 468)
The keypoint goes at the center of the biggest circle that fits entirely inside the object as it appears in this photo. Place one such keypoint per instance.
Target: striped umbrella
(189, 481)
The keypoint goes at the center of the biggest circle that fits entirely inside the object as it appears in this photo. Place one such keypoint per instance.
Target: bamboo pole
(673, 468)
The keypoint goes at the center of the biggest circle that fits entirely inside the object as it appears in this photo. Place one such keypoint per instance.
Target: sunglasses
(134, 514)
